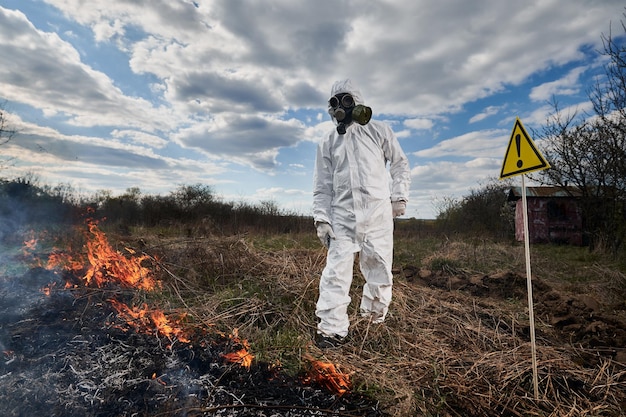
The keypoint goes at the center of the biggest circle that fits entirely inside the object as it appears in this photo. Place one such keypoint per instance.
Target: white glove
(398, 208)
(325, 233)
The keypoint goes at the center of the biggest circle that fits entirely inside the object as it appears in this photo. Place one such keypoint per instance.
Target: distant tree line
(484, 212)
(24, 202)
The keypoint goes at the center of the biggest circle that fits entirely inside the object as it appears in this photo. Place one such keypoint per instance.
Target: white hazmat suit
(357, 177)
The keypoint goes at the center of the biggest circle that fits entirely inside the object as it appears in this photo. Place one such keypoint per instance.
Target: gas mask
(344, 110)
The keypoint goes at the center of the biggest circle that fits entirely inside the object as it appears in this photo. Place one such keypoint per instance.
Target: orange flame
(47, 290)
(166, 328)
(158, 379)
(29, 245)
(143, 319)
(64, 261)
(327, 375)
(242, 357)
(104, 264)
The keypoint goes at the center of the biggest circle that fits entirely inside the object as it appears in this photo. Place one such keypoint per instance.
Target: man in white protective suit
(361, 182)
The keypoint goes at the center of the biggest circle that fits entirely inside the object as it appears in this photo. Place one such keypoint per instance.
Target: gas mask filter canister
(344, 110)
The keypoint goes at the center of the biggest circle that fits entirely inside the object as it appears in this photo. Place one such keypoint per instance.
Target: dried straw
(439, 353)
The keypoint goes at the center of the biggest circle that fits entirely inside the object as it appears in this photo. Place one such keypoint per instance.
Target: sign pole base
(529, 285)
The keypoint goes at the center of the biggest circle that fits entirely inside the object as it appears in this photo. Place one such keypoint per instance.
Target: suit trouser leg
(334, 289)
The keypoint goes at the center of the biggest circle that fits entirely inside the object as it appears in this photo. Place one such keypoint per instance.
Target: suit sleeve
(322, 185)
(398, 168)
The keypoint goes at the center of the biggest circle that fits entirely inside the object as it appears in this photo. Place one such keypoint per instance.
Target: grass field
(456, 341)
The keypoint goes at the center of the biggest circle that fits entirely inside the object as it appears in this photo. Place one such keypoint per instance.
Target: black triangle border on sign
(543, 164)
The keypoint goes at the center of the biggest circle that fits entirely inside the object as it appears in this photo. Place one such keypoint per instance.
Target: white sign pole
(529, 284)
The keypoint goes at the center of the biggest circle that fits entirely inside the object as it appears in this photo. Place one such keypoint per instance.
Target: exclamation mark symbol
(518, 143)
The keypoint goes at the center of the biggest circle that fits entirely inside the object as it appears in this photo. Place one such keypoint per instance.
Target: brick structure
(554, 215)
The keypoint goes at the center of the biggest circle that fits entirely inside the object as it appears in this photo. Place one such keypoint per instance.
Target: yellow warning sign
(522, 155)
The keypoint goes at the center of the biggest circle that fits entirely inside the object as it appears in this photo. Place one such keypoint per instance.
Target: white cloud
(489, 111)
(568, 85)
(151, 90)
(419, 124)
(140, 138)
(473, 144)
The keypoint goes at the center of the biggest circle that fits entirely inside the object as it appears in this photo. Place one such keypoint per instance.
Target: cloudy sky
(114, 94)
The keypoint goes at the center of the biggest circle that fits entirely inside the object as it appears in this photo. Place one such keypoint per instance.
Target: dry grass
(440, 353)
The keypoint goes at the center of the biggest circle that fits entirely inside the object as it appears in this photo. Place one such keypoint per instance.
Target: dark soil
(564, 318)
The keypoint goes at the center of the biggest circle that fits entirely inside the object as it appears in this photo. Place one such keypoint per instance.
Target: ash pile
(66, 352)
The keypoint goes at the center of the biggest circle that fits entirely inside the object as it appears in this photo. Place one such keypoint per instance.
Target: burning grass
(455, 343)
(98, 338)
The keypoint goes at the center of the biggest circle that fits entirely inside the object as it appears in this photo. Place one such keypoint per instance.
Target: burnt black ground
(67, 354)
